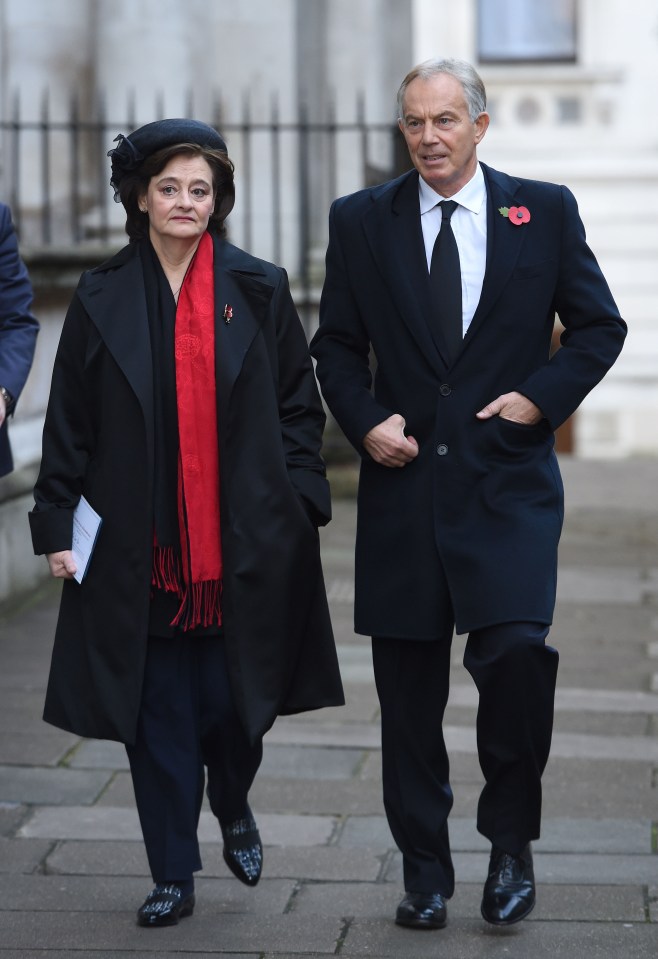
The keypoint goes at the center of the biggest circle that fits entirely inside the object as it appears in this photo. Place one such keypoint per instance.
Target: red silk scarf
(197, 578)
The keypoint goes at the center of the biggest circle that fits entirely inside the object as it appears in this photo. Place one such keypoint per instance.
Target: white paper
(86, 524)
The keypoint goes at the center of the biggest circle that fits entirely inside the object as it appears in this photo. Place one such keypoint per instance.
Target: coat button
(445, 390)
(442, 449)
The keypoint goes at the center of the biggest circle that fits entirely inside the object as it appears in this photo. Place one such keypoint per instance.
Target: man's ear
(481, 126)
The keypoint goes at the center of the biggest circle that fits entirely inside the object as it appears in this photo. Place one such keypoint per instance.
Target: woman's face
(180, 199)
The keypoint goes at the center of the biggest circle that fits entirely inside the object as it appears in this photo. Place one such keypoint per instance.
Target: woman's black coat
(98, 441)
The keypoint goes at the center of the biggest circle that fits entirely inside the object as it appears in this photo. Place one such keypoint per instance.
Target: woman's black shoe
(164, 906)
(243, 851)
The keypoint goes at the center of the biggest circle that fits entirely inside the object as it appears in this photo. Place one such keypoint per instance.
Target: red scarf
(197, 578)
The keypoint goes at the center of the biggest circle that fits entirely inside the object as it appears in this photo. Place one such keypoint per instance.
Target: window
(526, 30)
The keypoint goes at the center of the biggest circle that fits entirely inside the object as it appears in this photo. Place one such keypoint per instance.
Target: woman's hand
(62, 565)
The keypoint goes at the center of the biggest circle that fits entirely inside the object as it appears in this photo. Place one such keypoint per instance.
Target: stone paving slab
(279, 757)
(280, 829)
(11, 815)
(609, 724)
(346, 798)
(465, 939)
(123, 858)
(462, 739)
(53, 786)
(52, 893)
(97, 858)
(554, 868)
(38, 745)
(349, 797)
(311, 763)
(119, 791)
(124, 954)
(98, 754)
(588, 788)
(206, 931)
(605, 584)
(25, 855)
(616, 836)
(568, 699)
(557, 903)
(627, 836)
(85, 822)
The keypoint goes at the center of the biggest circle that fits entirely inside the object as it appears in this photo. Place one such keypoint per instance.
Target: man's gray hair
(476, 95)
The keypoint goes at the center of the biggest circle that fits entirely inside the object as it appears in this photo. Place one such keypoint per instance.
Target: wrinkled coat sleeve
(67, 439)
(594, 332)
(301, 412)
(18, 328)
(341, 345)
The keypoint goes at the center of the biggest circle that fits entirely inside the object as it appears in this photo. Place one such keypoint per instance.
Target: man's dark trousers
(515, 673)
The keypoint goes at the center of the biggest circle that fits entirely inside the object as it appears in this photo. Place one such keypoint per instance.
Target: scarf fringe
(167, 572)
(201, 603)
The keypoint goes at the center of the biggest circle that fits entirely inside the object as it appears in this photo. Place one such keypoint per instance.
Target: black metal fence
(55, 176)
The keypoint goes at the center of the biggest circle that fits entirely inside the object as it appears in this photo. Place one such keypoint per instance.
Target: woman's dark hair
(134, 185)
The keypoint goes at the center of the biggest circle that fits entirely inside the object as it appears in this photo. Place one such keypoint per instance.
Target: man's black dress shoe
(243, 850)
(164, 906)
(422, 910)
(509, 892)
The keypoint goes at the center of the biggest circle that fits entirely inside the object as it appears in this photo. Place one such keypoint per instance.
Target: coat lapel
(392, 226)
(504, 243)
(120, 293)
(242, 299)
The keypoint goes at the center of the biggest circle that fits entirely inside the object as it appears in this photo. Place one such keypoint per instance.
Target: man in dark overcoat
(460, 501)
(18, 330)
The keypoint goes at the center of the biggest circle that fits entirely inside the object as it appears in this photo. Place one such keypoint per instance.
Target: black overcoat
(98, 441)
(473, 523)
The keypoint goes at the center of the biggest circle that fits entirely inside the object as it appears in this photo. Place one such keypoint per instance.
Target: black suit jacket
(471, 526)
(18, 328)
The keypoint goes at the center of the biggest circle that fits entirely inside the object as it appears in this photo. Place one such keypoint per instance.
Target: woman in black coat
(184, 408)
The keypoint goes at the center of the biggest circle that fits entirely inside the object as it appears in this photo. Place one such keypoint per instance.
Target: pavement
(72, 866)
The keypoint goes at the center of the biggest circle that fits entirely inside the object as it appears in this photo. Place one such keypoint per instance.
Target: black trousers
(515, 673)
(187, 721)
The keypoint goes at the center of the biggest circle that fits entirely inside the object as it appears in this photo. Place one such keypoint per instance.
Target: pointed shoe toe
(243, 850)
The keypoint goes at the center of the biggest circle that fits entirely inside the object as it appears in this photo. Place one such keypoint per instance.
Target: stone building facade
(571, 86)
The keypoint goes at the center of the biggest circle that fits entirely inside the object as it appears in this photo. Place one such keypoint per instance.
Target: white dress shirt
(469, 224)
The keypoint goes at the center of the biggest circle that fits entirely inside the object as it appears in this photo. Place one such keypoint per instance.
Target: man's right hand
(387, 444)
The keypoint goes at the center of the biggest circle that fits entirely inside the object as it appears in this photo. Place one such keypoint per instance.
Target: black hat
(140, 144)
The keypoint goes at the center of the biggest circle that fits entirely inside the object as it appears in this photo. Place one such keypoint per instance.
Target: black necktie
(446, 281)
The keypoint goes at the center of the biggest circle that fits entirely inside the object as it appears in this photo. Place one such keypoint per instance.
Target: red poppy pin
(228, 313)
(515, 214)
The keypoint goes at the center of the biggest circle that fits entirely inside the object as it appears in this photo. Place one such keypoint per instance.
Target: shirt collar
(472, 195)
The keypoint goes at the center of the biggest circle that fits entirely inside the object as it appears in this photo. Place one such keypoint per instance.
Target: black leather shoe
(243, 850)
(422, 910)
(509, 892)
(164, 906)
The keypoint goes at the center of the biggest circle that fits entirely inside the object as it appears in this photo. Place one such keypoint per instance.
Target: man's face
(441, 137)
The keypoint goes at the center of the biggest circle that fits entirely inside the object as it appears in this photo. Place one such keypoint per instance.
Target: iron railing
(54, 173)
